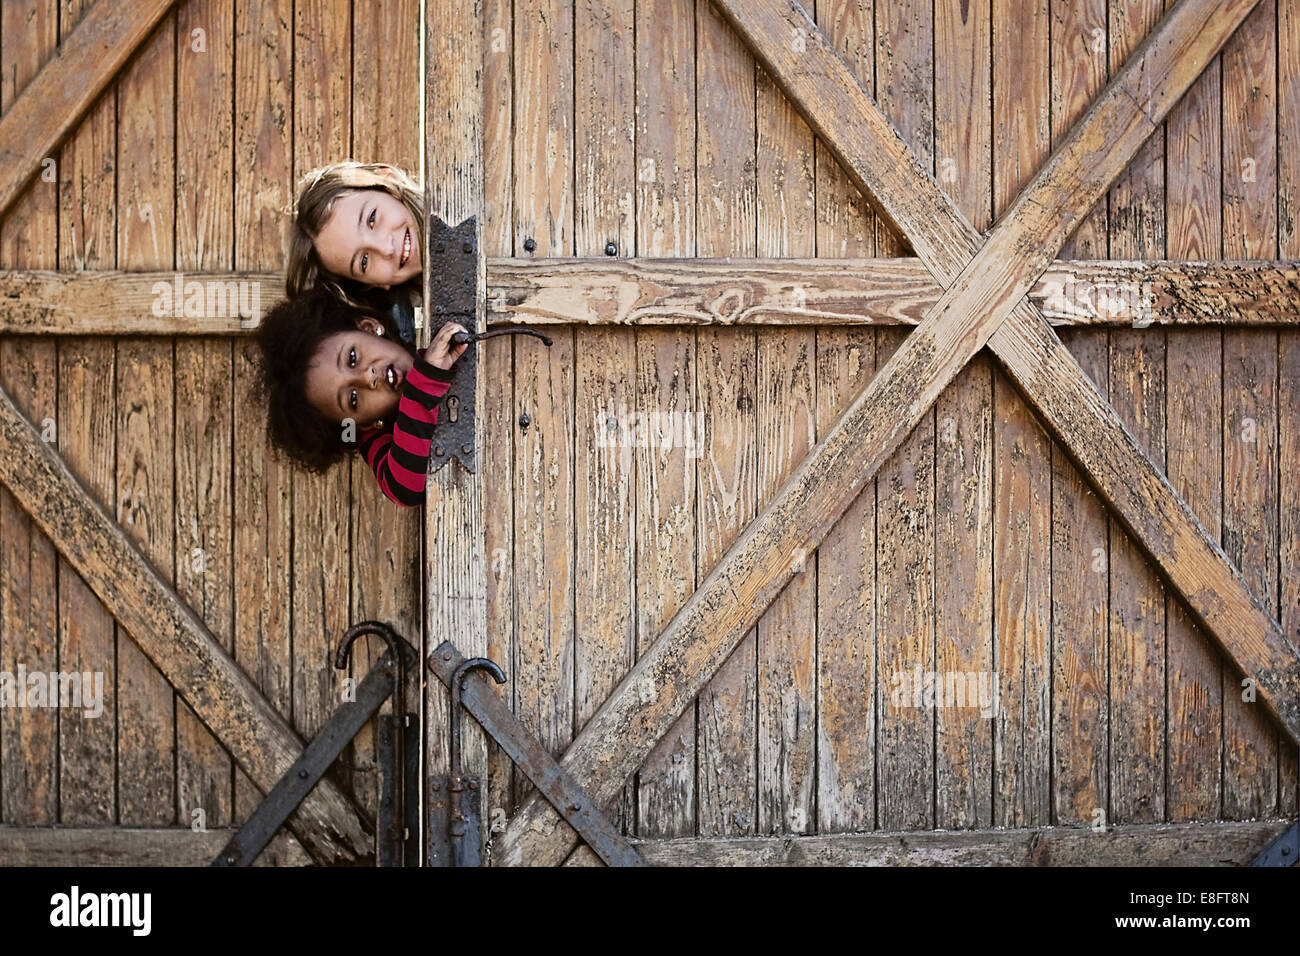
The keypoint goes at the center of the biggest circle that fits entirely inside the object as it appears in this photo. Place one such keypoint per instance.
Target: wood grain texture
(905, 542)
(1194, 691)
(603, 473)
(786, 429)
(1250, 466)
(146, 170)
(1194, 844)
(133, 846)
(726, 469)
(1022, 477)
(89, 59)
(666, 478)
(963, 459)
(1079, 71)
(1136, 378)
(29, 607)
(204, 370)
(846, 714)
(263, 530)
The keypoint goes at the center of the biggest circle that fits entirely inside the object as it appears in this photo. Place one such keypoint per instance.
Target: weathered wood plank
(1079, 71)
(666, 479)
(709, 625)
(905, 583)
(187, 655)
(1136, 378)
(1250, 747)
(667, 292)
(204, 375)
(263, 182)
(543, 671)
(604, 509)
(132, 846)
(146, 225)
(726, 469)
(67, 84)
(87, 444)
(963, 459)
(29, 736)
(1193, 416)
(1022, 479)
(785, 430)
(386, 576)
(846, 558)
(1191, 844)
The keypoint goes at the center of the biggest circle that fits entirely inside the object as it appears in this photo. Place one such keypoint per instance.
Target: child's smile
(357, 375)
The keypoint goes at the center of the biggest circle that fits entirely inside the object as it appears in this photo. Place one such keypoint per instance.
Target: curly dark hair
(288, 336)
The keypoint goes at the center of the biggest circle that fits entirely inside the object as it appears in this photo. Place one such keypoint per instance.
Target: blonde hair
(317, 192)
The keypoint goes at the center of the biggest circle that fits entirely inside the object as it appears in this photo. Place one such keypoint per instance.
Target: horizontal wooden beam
(171, 635)
(53, 102)
(1162, 844)
(127, 846)
(778, 292)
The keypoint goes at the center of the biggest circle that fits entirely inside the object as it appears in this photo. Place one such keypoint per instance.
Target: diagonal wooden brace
(989, 289)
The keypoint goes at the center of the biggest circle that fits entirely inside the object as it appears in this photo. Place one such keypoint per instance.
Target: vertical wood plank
(1288, 204)
(544, 379)
(87, 228)
(321, 552)
(604, 515)
(666, 526)
(264, 186)
(1080, 549)
(905, 484)
(145, 419)
(1194, 453)
(204, 377)
(386, 578)
(726, 473)
(1137, 392)
(29, 736)
(1250, 393)
(1022, 479)
(1079, 60)
(786, 431)
(496, 365)
(963, 545)
(846, 558)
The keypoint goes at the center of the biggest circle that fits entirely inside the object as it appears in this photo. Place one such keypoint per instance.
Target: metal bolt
(574, 808)
(467, 448)
(437, 450)
(440, 247)
(230, 861)
(466, 247)
(446, 655)
(435, 785)
(524, 420)
(530, 244)
(611, 248)
(611, 422)
(473, 784)
(302, 774)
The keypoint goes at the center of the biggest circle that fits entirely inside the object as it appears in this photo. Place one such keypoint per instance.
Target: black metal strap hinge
(452, 272)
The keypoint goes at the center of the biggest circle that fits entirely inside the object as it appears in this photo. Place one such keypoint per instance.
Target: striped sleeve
(400, 457)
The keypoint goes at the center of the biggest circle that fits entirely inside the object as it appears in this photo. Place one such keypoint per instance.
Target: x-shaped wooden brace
(984, 303)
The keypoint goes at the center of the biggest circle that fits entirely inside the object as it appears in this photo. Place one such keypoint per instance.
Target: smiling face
(357, 375)
(370, 237)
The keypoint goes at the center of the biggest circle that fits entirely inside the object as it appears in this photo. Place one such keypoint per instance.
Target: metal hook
(457, 685)
(461, 338)
(344, 651)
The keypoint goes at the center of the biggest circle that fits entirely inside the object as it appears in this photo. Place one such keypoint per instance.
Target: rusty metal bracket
(451, 274)
(528, 754)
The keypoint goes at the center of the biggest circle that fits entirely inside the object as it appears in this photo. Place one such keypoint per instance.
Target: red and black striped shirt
(399, 453)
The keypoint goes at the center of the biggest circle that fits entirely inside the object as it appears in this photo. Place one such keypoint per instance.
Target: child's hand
(441, 353)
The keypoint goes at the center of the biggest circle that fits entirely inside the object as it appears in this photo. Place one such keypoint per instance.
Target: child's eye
(352, 358)
(364, 260)
(370, 220)
(353, 400)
